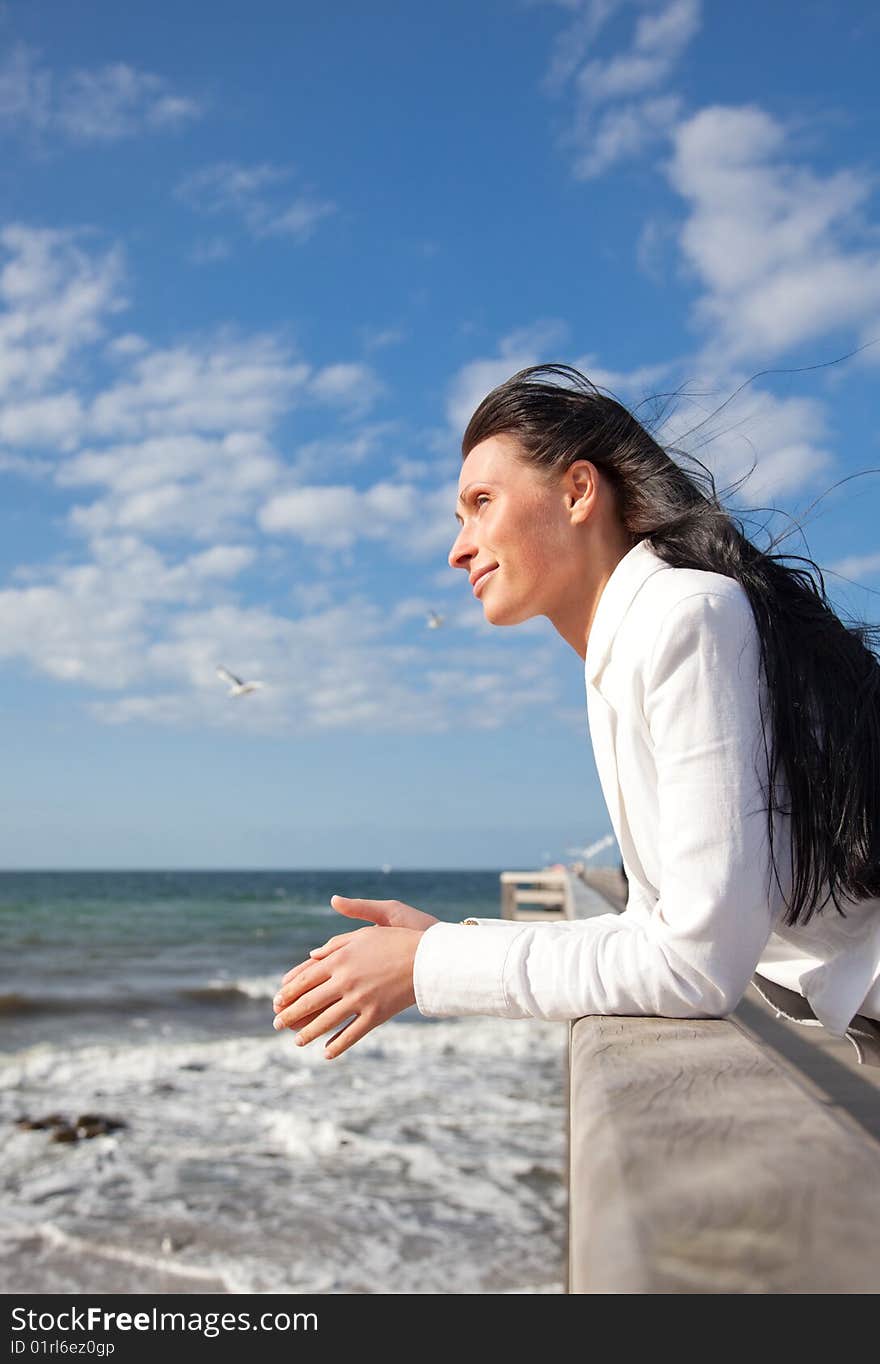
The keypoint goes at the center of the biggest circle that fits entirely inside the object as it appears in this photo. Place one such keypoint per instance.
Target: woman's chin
(499, 613)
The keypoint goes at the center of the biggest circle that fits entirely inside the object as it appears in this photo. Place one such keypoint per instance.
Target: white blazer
(672, 676)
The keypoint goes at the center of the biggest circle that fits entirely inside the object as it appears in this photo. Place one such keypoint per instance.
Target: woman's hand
(365, 976)
(372, 981)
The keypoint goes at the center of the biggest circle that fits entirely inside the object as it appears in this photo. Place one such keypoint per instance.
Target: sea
(214, 1155)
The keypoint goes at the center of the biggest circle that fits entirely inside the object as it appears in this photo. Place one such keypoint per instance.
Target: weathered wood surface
(698, 1163)
(826, 1066)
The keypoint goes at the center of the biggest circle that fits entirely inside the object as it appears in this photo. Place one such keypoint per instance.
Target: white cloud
(73, 637)
(25, 467)
(774, 246)
(415, 521)
(127, 344)
(332, 669)
(623, 133)
(326, 456)
(134, 467)
(177, 449)
(179, 440)
(25, 90)
(787, 438)
(656, 237)
(49, 421)
(104, 104)
(54, 300)
(220, 561)
(857, 566)
(663, 36)
(626, 385)
(659, 41)
(352, 386)
(91, 622)
(620, 107)
(517, 350)
(329, 515)
(187, 486)
(572, 43)
(255, 195)
(222, 383)
(117, 101)
(377, 338)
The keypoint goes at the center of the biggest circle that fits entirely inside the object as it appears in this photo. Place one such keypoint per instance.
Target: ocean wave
(16, 1003)
(249, 987)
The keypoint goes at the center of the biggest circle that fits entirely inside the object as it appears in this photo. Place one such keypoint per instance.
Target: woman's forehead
(493, 458)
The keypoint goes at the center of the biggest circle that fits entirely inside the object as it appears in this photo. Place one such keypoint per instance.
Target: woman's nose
(461, 551)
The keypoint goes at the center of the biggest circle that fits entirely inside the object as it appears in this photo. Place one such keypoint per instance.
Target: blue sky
(257, 267)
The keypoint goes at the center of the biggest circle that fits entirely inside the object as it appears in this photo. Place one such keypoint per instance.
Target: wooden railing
(735, 1155)
(559, 893)
(700, 1162)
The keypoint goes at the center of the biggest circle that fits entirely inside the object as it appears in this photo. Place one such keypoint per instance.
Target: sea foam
(427, 1158)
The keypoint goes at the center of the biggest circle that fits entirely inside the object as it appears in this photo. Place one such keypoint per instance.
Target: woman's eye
(481, 497)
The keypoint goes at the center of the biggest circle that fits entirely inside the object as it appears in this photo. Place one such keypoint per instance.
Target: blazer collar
(630, 574)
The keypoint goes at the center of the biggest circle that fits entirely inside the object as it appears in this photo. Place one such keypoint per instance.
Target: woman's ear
(580, 479)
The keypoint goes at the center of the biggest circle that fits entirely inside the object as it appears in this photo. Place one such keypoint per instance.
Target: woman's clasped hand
(356, 980)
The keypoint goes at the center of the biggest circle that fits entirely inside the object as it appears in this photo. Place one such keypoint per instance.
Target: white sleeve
(695, 954)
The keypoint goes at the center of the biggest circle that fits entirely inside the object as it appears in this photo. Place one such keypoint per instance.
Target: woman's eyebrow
(462, 497)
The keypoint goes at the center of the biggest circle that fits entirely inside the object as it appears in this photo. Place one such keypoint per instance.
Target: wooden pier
(561, 893)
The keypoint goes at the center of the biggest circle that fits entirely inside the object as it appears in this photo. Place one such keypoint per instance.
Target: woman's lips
(483, 578)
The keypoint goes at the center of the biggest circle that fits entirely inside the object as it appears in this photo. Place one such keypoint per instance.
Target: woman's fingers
(329, 1018)
(347, 1036)
(304, 1021)
(333, 944)
(309, 1004)
(316, 954)
(313, 973)
(296, 970)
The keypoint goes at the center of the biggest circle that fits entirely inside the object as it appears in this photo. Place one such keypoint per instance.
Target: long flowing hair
(822, 676)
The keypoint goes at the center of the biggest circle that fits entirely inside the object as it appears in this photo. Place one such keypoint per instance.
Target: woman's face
(517, 541)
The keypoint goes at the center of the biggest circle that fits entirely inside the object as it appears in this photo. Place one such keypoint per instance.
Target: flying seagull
(433, 620)
(236, 686)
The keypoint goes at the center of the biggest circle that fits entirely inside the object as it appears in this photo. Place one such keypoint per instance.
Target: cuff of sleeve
(457, 971)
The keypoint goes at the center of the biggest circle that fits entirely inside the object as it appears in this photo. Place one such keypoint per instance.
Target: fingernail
(300, 1041)
(278, 1023)
(278, 1000)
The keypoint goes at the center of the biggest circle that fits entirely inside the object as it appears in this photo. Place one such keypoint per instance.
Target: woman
(736, 727)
